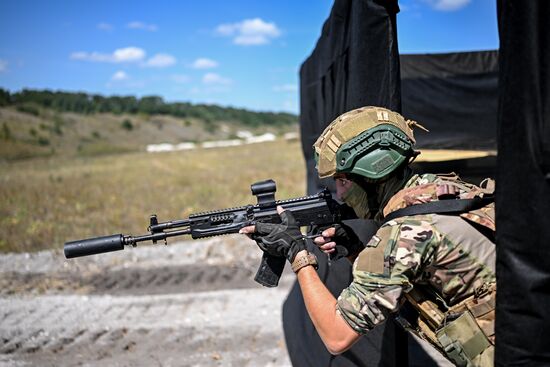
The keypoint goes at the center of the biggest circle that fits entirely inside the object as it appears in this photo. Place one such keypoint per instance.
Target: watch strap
(302, 261)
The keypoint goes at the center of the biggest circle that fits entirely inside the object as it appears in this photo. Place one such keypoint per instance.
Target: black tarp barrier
(523, 185)
(354, 63)
(454, 95)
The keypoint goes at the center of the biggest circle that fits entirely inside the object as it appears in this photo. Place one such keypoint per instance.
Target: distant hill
(42, 123)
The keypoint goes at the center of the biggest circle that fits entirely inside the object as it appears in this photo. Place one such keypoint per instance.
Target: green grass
(47, 201)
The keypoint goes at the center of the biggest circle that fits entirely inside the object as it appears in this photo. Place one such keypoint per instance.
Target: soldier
(433, 254)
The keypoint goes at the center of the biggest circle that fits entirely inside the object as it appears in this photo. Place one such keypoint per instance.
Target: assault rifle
(316, 210)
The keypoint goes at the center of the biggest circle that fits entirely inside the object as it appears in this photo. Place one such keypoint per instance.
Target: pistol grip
(270, 270)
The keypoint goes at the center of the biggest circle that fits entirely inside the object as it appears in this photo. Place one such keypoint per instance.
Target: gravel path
(188, 304)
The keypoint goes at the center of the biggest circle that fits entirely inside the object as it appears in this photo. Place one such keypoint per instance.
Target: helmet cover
(368, 141)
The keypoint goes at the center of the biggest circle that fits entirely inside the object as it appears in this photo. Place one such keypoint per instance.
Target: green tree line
(84, 103)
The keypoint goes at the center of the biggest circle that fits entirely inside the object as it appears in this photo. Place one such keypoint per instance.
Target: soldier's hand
(281, 240)
(248, 231)
(339, 241)
(325, 241)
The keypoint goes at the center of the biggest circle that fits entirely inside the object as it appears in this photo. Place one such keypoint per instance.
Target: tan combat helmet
(368, 141)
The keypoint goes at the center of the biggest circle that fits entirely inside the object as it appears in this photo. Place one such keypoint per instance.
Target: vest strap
(441, 207)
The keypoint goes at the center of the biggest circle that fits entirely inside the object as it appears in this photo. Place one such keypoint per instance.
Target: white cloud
(286, 88)
(3, 65)
(447, 5)
(142, 26)
(105, 27)
(161, 61)
(120, 76)
(204, 63)
(128, 54)
(227, 29)
(213, 78)
(250, 32)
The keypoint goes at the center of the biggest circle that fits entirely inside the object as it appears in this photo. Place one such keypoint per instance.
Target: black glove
(282, 240)
(347, 242)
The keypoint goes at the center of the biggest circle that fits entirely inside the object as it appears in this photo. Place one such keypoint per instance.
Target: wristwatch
(304, 260)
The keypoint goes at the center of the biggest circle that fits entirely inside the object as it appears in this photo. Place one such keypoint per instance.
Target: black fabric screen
(355, 63)
(523, 185)
(453, 95)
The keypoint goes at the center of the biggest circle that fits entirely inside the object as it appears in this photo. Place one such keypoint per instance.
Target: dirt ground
(191, 303)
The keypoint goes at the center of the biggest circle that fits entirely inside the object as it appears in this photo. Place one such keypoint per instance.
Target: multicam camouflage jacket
(444, 253)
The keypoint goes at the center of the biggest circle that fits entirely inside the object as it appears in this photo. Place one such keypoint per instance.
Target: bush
(30, 109)
(5, 133)
(210, 126)
(5, 98)
(43, 141)
(127, 125)
(57, 125)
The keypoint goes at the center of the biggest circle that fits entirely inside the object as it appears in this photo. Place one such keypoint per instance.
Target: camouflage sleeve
(387, 267)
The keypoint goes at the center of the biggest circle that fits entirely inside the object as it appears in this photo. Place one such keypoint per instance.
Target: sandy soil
(192, 303)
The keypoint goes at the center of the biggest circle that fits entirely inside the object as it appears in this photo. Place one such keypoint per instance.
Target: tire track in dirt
(175, 306)
(197, 266)
(208, 328)
(175, 279)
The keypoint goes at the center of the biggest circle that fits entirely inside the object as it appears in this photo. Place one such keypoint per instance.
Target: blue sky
(240, 53)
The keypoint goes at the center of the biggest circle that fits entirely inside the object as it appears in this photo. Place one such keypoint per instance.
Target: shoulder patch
(371, 259)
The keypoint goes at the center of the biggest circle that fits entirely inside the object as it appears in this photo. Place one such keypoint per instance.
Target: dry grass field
(47, 201)
(48, 133)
